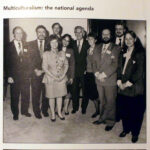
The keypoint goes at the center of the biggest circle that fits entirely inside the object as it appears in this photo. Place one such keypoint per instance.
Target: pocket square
(134, 62)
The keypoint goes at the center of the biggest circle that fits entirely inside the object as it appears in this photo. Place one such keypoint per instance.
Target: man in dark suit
(37, 48)
(18, 69)
(80, 47)
(120, 30)
(105, 68)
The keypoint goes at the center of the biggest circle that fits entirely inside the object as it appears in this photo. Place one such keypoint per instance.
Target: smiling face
(91, 41)
(106, 36)
(66, 41)
(79, 33)
(18, 34)
(129, 40)
(119, 30)
(56, 29)
(41, 33)
(54, 44)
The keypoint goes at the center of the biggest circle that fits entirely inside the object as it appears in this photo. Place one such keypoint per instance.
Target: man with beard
(119, 33)
(37, 48)
(105, 68)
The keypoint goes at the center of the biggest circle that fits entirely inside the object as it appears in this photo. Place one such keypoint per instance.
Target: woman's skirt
(90, 86)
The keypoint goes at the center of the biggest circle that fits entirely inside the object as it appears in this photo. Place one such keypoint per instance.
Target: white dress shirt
(18, 49)
(79, 46)
(118, 40)
(43, 43)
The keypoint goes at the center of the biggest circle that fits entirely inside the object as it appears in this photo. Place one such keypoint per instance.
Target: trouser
(77, 83)
(38, 88)
(131, 111)
(107, 96)
(20, 87)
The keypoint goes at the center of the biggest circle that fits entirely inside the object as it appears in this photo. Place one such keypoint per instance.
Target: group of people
(56, 67)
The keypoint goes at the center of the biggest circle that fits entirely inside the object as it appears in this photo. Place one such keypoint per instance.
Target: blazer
(90, 59)
(36, 60)
(134, 72)
(18, 68)
(108, 64)
(71, 62)
(80, 58)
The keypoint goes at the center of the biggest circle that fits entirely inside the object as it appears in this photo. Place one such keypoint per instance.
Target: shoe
(97, 122)
(27, 114)
(108, 128)
(73, 111)
(38, 116)
(45, 114)
(134, 139)
(123, 134)
(66, 113)
(61, 118)
(53, 120)
(83, 112)
(95, 115)
(15, 118)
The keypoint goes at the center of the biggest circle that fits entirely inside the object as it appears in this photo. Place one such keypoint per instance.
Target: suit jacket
(71, 62)
(18, 68)
(80, 58)
(90, 59)
(107, 64)
(134, 72)
(36, 60)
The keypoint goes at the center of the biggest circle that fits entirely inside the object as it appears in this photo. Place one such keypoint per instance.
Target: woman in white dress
(55, 66)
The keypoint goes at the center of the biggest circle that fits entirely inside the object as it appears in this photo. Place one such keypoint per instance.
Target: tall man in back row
(80, 48)
(105, 68)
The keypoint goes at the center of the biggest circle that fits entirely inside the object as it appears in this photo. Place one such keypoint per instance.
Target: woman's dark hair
(92, 34)
(61, 28)
(71, 40)
(138, 44)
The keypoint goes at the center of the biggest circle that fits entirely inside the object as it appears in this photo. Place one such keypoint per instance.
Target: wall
(29, 25)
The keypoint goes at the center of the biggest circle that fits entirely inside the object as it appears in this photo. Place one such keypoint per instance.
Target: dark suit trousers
(20, 87)
(132, 111)
(107, 96)
(79, 83)
(38, 88)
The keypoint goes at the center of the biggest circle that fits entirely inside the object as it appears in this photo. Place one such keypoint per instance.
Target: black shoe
(83, 112)
(97, 122)
(108, 128)
(45, 114)
(134, 139)
(66, 113)
(27, 114)
(15, 118)
(95, 115)
(61, 118)
(123, 134)
(73, 111)
(38, 116)
(53, 120)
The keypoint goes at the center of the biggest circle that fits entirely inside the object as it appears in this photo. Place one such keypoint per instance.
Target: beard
(106, 41)
(119, 35)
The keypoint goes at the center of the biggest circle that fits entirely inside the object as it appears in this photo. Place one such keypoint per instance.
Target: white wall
(29, 25)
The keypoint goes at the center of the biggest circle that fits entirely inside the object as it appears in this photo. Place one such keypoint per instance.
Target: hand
(10, 80)
(71, 80)
(122, 86)
(38, 72)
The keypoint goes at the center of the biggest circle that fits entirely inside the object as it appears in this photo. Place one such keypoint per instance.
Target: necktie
(21, 51)
(79, 46)
(120, 42)
(41, 48)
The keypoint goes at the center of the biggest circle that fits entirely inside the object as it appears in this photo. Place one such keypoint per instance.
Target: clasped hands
(122, 86)
(100, 76)
(38, 72)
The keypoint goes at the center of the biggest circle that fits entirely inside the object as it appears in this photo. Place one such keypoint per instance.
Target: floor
(76, 128)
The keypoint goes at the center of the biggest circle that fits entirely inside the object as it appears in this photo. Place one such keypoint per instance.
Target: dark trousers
(131, 112)
(107, 96)
(38, 88)
(79, 83)
(20, 87)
